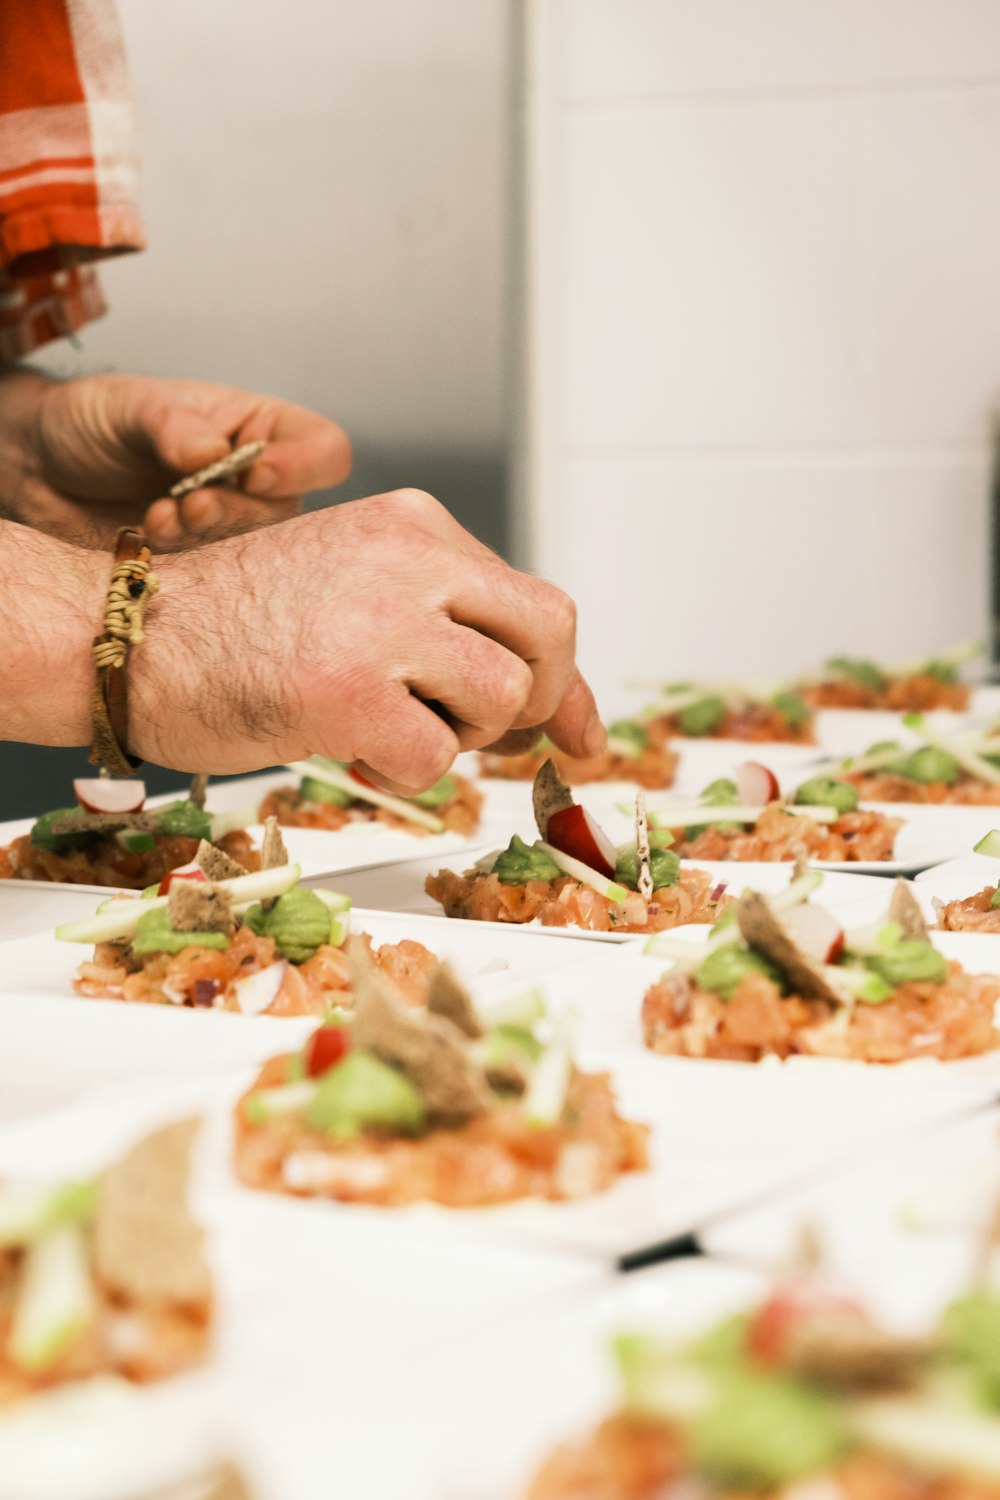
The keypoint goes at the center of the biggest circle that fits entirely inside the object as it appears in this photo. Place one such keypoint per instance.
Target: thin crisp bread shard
(199, 790)
(223, 468)
(147, 1248)
(549, 795)
(643, 864)
(273, 853)
(446, 997)
(904, 909)
(429, 1050)
(763, 931)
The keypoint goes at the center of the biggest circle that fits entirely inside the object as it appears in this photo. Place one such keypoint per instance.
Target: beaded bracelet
(131, 587)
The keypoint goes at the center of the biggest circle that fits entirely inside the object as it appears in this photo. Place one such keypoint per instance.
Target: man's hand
(82, 458)
(378, 632)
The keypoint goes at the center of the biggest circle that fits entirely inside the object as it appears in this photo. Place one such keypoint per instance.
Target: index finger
(534, 620)
(575, 727)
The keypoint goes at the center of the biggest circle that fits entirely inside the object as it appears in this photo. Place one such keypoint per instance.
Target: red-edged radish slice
(774, 1326)
(193, 871)
(574, 832)
(756, 785)
(816, 932)
(99, 794)
(257, 992)
(356, 774)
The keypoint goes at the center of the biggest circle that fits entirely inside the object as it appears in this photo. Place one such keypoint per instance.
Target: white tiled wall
(763, 327)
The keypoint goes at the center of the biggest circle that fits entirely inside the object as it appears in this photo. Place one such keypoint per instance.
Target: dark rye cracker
(147, 1248)
(429, 1050)
(764, 931)
(194, 906)
(216, 863)
(549, 794)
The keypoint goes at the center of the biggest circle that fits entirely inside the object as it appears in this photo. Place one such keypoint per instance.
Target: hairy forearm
(51, 602)
(21, 393)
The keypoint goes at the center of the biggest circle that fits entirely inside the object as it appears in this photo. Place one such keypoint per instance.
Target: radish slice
(574, 832)
(193, 871)
(757, 785)
(816, 932)
(257, 992)
(99, 794)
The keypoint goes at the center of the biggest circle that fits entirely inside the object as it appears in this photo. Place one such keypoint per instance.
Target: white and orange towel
(68, 165)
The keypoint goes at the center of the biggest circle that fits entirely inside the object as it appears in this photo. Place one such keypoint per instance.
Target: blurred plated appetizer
(746, 818)
(573, 876)
(979, 911)
(803, 1397)
(903, 687)
(396, 1105)
(780, 977)
(730, 711)
(331, 795)
(104, 1277)
(214, 937)
(110, 838)
(636, 752)
(962, 770)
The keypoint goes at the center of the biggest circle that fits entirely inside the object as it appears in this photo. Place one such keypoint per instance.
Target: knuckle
(563, 614)
(511, 688)
(416, 503)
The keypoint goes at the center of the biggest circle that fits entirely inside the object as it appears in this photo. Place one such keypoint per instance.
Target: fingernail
(595, 739)
(261, 479)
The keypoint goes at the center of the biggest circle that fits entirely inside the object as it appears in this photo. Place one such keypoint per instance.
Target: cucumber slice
(135, 840)
(332, 900)
(285, 1099)
(932, 1436)
(340, 777)
(693, 814)
(340, 931)
(546, 1097)
(56, 1301)
(681, 951)
(26, 1213)
(232, 822)
(974, 764)
(584, 874)
(523, 1010)
(119, 919)
(989, 844)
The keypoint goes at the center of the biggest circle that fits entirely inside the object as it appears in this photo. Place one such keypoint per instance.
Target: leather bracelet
(131, 587)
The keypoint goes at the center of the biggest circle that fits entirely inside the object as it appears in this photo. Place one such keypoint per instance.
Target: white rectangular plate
(318, 1313)
(901, 1221)
(956, 879)
(401, 888)
(609, 1000)
(57, 1044)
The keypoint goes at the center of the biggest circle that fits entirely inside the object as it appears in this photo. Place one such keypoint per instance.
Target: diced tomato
(774, 1324)
(325, 1048)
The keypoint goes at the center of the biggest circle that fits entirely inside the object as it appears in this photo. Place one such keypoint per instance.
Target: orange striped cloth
(68, 165)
